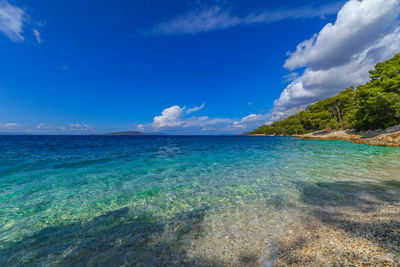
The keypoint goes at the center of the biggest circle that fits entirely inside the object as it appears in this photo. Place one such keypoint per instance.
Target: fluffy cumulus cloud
(171, 117)
(216, 18)
(175, 120)
(340, 55)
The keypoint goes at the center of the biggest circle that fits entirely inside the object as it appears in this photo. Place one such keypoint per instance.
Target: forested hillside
(375, 105)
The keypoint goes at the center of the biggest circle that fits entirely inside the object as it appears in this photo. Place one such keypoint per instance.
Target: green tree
(378, 101)
(371, 106)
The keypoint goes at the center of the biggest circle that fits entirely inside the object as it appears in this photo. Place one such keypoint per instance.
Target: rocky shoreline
(389, 137)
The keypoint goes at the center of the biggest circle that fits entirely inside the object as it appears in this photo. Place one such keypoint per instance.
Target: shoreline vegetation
(367, 114)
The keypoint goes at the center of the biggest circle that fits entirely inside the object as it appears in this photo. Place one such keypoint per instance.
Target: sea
(171, 200)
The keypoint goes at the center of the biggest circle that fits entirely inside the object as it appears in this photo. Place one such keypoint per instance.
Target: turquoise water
(66, 199)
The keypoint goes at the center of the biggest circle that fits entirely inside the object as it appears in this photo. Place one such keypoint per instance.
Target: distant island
(127, 133)
(355, 114)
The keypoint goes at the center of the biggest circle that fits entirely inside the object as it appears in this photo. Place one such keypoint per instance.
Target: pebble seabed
(367, 234)
(360, 229)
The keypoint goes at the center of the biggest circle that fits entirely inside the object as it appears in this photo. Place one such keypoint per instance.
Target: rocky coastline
(389, 137)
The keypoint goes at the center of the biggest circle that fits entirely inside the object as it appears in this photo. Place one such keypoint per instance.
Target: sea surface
(180, 200)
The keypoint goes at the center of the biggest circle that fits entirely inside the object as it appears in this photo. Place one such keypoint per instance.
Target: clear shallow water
(57, 193)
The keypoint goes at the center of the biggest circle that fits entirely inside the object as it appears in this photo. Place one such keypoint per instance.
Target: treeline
(375, 105)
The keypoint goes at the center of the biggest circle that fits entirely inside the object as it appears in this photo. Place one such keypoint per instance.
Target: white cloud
(37, 35)
(205, 122)
(41, 126)
(47, 128)
(170, 118)
(251, 121)
(340, 55)
(80, 127)
(173, 120)
(140, 127)
(358, 25)
(12, 21)
(214, 18)
(143, 127)
(194, 109)
(44, 128)
(9, 125)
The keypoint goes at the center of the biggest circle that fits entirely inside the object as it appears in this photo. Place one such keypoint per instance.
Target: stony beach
(345, 224)
(364, 233)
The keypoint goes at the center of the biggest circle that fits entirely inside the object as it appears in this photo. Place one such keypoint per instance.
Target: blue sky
(181, 67)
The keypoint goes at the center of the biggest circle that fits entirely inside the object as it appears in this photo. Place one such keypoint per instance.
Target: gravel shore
(364, 231)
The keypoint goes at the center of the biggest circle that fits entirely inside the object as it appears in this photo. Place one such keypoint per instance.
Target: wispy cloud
(215, 18)
(9, 125)
(37, 35)
(194, 109)
(12, 19)
(44, 128)
(64, 66)
(80, 127)
(250, 121)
